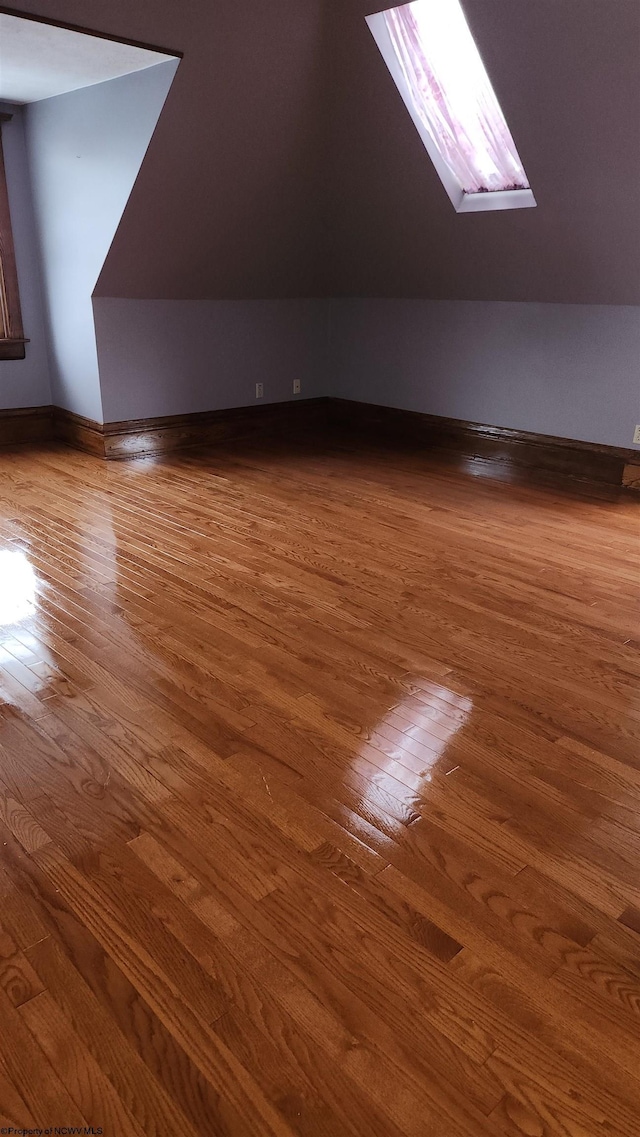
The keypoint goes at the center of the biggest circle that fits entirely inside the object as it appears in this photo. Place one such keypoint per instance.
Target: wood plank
(17, 977)
(98, 1033)
(319, 796)
(80, 1074)
(30, 1073)
(241, 1102)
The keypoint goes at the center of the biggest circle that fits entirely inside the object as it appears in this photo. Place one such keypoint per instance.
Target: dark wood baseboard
(561, 457)
(501, 446)
(631, 475)
(79, 432)
(157, 435)
(136, 438)
(26, 424)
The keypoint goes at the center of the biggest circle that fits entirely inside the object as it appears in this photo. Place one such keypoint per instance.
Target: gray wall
(563, 369)
(285, 165)
(85, 150)
(24, 382)
(167, 357)
(560, 369)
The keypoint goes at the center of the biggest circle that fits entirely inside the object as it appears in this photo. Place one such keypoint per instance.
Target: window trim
(461, 201)
(12, 343)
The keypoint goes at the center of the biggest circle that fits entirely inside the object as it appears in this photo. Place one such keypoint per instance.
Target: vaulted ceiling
(567, 74)
(284, 163)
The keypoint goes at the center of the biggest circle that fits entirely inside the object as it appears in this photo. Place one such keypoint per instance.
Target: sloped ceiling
(567, 74)
(226, 203)
(40, 61)
(284, 163)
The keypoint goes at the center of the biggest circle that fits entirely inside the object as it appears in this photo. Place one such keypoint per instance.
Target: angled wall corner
(85, 150)
(169, 357)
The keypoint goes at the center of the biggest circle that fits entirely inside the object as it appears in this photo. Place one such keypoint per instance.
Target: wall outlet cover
(297, 386)
(259, 390)
(636, 435)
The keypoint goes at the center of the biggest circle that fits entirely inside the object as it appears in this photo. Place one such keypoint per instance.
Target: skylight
(432, 56)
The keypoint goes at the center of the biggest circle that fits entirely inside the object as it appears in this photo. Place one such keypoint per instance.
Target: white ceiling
(40, 60)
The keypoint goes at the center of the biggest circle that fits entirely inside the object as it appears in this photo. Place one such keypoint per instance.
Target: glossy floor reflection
(319, 798)
(17, 587)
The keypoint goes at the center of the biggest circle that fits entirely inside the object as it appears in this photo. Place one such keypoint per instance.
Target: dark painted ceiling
(226, 203)
(567, 74)
(285, 164)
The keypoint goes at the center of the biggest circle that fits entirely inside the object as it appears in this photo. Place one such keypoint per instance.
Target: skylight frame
(462, 201)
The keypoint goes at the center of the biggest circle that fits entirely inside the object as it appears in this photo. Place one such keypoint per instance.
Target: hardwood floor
(319, 798)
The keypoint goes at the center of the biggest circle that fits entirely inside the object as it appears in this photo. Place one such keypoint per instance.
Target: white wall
(562, 369)
(167, 357)
(24, 382)
(85, 149)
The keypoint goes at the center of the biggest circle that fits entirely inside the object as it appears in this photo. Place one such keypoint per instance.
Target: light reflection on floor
(18, 584)
(436, 725)
(403, 751)
(412, 743)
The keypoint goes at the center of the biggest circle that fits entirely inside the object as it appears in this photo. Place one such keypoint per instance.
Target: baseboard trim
(26, 424)
(561, 457)
(631, 475)
(476, 442)
(81, 433)
(139, 438)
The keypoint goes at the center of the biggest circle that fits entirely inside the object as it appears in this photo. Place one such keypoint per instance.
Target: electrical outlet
(297, 387)
(636, 435)
(259, 390)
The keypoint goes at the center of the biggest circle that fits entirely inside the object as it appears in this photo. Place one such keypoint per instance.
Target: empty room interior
(320, 568)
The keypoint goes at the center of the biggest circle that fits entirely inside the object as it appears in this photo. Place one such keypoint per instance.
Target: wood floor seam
(319, 795)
